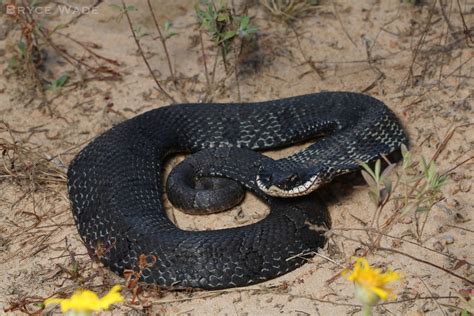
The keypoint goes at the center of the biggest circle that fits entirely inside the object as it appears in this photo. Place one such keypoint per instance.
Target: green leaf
(252, 30)
(406, 157)
(374, 196)
(222, 17)
(12, 62)
(378, 167)
(228, 35)
(244, 22)
(58, 83)
(139, 32)
(388, 185)
(383, 196)
(22, 48)
(404, 149)
(421, 209)
(370, 181)
(168, 25)
(386, 173)
(131, 7)
(367, 168)
(116, 7)
(62, 80)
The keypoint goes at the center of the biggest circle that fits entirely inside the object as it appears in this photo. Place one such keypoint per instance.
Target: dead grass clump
(38, 43)
(289, 10)
(26, 166)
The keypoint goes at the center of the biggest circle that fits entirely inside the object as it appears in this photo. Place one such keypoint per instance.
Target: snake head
(279, 182)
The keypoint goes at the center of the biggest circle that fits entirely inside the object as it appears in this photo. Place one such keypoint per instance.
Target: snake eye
(267, 179)
(264, 179)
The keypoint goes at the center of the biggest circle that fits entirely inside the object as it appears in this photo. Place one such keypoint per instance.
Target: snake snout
(288, 183)
(286, 180)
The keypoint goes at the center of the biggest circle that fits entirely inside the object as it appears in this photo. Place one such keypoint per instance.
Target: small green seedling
(122, 11)
(379, 182)
(58, 83)
(169, 32)
(21, 48)
(140, 32)
(222, 25)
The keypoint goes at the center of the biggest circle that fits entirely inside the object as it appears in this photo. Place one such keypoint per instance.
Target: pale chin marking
(304, 189)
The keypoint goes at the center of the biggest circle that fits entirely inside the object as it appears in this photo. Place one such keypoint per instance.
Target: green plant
(222, 25)
(467, 304)
(140, 32)
(22, 49)
(35, 39)
(169, 33)
(58, 83)
(122, 11)
(379, 182)
(421, 187)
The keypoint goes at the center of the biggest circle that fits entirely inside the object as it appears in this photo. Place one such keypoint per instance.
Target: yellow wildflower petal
(366, 296)
(87, 301)
(380, 292)
(81, 300)
(371, 281)
(391, 276)
(112, 297)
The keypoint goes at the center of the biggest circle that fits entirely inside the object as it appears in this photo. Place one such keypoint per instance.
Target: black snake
(115, 184)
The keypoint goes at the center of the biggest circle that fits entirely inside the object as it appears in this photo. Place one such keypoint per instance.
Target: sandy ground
(416, 60)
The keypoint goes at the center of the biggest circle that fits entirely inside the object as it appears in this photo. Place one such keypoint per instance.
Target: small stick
(163, 41)
(431, 293)
(342, 25)
(418, 46)
(428, 263)
(143, 54)
(206, 72)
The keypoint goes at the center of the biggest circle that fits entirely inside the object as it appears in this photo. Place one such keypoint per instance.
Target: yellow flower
(371, 283)
(86, 302)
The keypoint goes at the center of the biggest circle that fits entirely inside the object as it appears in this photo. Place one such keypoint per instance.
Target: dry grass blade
(289, 9)
(24, 164)
(145, 60)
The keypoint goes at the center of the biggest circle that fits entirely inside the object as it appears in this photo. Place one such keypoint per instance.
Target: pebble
(453, 203)
(448, 239)
(464, 186)
(240, 217)
(437, 245)
(406, 220)
(441, 229)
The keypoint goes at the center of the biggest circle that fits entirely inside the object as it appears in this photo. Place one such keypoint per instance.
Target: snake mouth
(309, 186)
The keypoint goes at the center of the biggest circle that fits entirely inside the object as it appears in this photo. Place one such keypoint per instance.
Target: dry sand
(422, 71)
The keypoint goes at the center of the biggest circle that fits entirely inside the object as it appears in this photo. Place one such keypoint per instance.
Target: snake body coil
(115, 184)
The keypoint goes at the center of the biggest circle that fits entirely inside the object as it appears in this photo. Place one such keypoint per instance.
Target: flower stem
(367, 310)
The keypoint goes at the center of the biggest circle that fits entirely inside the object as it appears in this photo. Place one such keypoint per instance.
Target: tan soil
(39, 246)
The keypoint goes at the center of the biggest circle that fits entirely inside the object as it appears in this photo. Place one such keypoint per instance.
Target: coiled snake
(115, 184)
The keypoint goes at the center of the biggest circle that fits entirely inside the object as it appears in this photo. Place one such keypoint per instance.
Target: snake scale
(116, 184)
